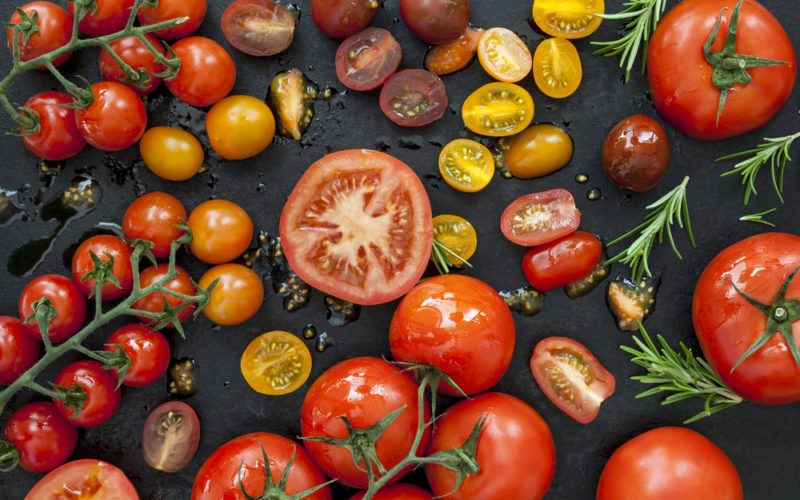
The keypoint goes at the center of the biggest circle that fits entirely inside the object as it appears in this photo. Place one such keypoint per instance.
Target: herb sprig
(441, 256)
(759, 217)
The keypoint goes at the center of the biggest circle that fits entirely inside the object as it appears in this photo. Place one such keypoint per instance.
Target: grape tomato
(498, 109)
(258, 27)
(413, 97)
(364, 61)
(457, 235)
(466, 165)
(557, 67)
(343, 18)
(568, 18)
(504, 55)
(453, 56)
(537, 151)
(170, 436)
(539, 218)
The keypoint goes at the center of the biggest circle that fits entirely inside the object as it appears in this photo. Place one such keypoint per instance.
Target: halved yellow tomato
(276, 363)
(504, 55)
(457, 234)
(498, 109)
(466, 165)
(557, 67)
(568, 18)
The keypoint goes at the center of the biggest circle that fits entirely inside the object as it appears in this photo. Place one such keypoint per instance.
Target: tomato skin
(563, 261)
(136, 54)
(64, 295)
(636, 153)
(543, 217)
(154, 302)
(397, 491)
(59, 137)
(515, 450)
(207, 72)
(55, 31)
(152, 217)
(364, 61)
(459, 325)
(537, 151)
(110, 17)
(100, 386)
(421, 94)
(195, 10)
(240, 126)
(680, 78)
(102, 246)
(454, 56)
(221, 231)
(436, 21)
(171, 153)
(90, 477)
(148, 352)
(668, 463)
(236, 297)
(258, 27)
(343, 18)
(18, 349)
(44, 438)
(115, 120)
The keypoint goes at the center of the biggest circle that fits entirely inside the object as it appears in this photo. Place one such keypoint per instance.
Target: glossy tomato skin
(669, 463)
(515, 450)
(726, 324)
(365, 60)
(207, 72)
(237, 295)
(18, 349)
(88, 478)
(459, 325)
(636, 153)
(171, 153)
(59, 137)
(539, 218)
(148, 352)
(44, 438)
(154, 302)
(436, 21)
(103, 246)
(109, 17)
(258, 27)
(343, 18)
(537, 151)
(218, 477)
(54, 31)
(152, 217)
(398, 491)
(115, 120)
(100, 386)
(563, 261)
(680, 78)
(240, 126)
(136, 54)
(364, 390)
(195, 10)
(221, 231)
(64, 295)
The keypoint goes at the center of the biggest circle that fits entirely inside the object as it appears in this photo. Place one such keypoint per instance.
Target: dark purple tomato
(170, 436)
(365, 60)
(436, 21)
(342, 18)
(413, 97)
(258, 27)
(635, 154)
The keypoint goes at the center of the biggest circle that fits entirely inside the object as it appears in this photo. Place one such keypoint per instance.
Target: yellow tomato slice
(276, 363)
(504, 55)
(457, 234)
(557, 67)
(498, 109)
(568, 18)
(466, 165)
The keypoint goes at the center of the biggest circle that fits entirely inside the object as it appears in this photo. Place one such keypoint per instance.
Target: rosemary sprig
(664, 212)
(759, 217)
(440, 253)
(680, 373)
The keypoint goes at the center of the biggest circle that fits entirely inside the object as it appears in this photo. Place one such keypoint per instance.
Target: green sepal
(118, 361)
(145, 249)
(9, 456)
(274, 491)
(74, 397)
(27, 122)
(148, 3)
(43, 313)
(83, 96)
(205, 297)
(84, 7)
(28, 25)
(462, 460)
(102, 271)
(173, 64)
(168, 317)
(139, 79)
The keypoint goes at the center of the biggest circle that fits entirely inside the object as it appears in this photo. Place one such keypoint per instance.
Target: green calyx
(274, 491)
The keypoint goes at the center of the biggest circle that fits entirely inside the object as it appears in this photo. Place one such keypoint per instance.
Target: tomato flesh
(498, 109)
(563, 261)
(364, 61)
(276, 363)
(504, 55)
(457, 235)
(258, 27)
(557, 68)
(466, 165)
(539, 218)
(170, 436)
(413, 97)
(568, 18)
(84, 479)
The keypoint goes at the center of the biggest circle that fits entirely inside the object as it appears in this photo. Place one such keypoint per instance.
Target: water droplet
(261, 187)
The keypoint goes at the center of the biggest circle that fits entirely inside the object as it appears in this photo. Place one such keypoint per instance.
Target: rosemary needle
(759, 217)
(440, 254)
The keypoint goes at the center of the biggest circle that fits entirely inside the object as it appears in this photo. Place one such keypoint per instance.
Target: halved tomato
(504, 55)
(539, 218)
(498, 109)
(258, 27)
(454, 56)
(365, 60)
(466, 165)
(276, 363)
(568, 18)
(557, 68)
(457, 234)
(358, 226)
(86, 478)
(413, 97)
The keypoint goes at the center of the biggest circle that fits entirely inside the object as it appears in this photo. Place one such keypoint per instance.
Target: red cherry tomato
(413, 97)
(148, 352)
(561, 262)
(221, 231)
(152, 217)
(154, 302)
(64, 295)
(86, 478)
(365, 60)
(54, 31)
(343, 18)
(103, 246)
(170, 436)
(109, 17)
(58, 137)
(539, 218)
(195, 10)
(636, 153)
(436, 21)
(258, 27)
(100, 386)
(115, 120)
(398, 491)
(18, 349)
(43, 437)
(136, 54)
(207, 72)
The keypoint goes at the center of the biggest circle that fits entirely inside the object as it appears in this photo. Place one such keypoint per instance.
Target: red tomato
(154, 302)
(459, 325)
(636, 153)
(64, 295)
(170, 436)
(43, 437)
(103, 246)
(681, 80)
(152, 217)
(58, 137)
(18, 349)
(100, 386)
(136, 54)
(436, 21)
(54, 31)
(398, 491)
(539, 218)
(207, 72)
(365, 60)
(413, 97)
(242, 458)
(221, 231)
(148, 352)
(109, 17)
(258, 27)
(366, 254)
(364, 390)
(561, 262)
(195, 10)
(571, 377)
(515, 450)
(727, 324)
(237, 295)
(669, 463)
(116, 118)
(342, 18)
(86, 478)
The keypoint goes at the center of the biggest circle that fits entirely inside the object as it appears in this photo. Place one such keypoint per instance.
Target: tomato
(453, 56)
(504, 55)
(86, 478)
(116, 118)
(258, 27)
(343, 18)
(365, 60)
(636, 153)
(436, 21)
(58, 137)
(166, 10)
(515, 450)
(237, 295)
(669, 463)
(136, 54)
(293, 96)
(459, 325)
(154, 302)
(18, 350)
(171, 153)
(100, 386)
(240, 126)
(42, 436)
(557, 68)
(539, 218)
(457, 234)
(170, 436)
(680, 78)
(562, 261)
(276, 363)
(498, 109)
(727, 324)
(207, 71)
(152, 217)
(466, 165)
(221, 231)
(363, 253)
(537, 151)
(109, 17)
(148, 352)
(572, 19)
(364, 390)
(413, 97)
(54, 30)
(398, 491)
(64, 295)
(104, 246)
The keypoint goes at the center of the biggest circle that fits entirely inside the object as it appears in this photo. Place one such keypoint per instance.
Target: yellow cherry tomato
(538, 150)
(236, 297)
(457, 234)
(557, 67)
(171, 153)
(498, 109)
(240, 126)
(466, 165)
(276, 363)
(568, 18)
(504, 55)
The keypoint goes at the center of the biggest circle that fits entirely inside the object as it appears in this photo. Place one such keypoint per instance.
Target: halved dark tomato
(258, 27)
(539, 218)
(557, 68)
(365, 60)
(504, 55)
(358, 226)
(342, 18)
(498, 109)
(454, 56)
(413, 97)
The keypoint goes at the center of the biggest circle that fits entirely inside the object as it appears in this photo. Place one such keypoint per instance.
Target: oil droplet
(383, 143)
(341, 312)
(594, 194)
(581, 178)
(323, 342)
(309, 331)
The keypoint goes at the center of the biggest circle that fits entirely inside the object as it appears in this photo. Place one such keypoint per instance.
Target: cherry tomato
(366, 254)
(466, 165)
(240, 126)
(116, 118)
(154, 302)
(136, 54)
(276, 363)
(557, 68)
(504, 55)
(170, 436)
(109, 17)
(152, 217)
(669, 463)
(515, 450)
(171, 153)
(54, 31)
(236, 297)
(398, 491)
(498, 109)
(18, 349)
(207, 71)
(58, 137)
(365, 60)
(539, 218)
(413, 97)
(100, 386)
(537, 151)
(457, 234)
(258, 27)
(343, 18)
(64, 295)
(42, 436)
(453, 56)
(436, 21)
(573, 19)
(364, 390)
(562, 261)
(148, 352)
(459, 325)
(104, 246)
(636, 153)
(166, 10)
(221, 231)
(86, 478)
(293, 97)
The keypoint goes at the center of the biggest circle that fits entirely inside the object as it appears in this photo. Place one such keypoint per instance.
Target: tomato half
(115, 119)
(498, 109)
(152, 217)
(365, 60)
(135, 53)
(358, 226)
(221, 231)
(258, 27)
(236, 297)
(171, 153)
(537, 151)
(18, 349)
(148, 352)
(109, 17)
(413, 97)
(342, 18)
(42, 436)
(207, 71)
(454, 56)
(539, 218)
(85, 478)
(466, 165)
(557, 67)
(104, 247)
(504, 55)
(54, 30)
(195, 10)
(276, 363)
(562, 261)
(240, 126)
(100, 386)
(636, 153)
(457, 234)
(64, 295)
(170, 436)
(58, 137)
(436, 21)
(568, 19)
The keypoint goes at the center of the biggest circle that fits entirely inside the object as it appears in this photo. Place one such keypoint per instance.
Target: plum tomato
(669, 463)
(258, 27)
(104, 247)
(459, 325)
(573, 19)
(64, 295)
(152, 217)
(221, 231)
(207, 71)
(18, 349)
(557, 68)
(85, 478)
(537, 151)
(436, 21)
(453, 56)
(154, 302)
(276, 363)
(457, 234)
(358, 226)
(562, 261)
(171, 153)
(109, 17)
(504, 55)
(115, 119)
(413, 97)
(170, 436)
(54, 30)
(166, 10)
(43, 437)
(343, 18)
(466, 165)
(148, 352)
(58, 137)
(397, 491)
(237, 295)
(539, 218)
(100, 386)
(240, 126)
(293, 95)
(365, 60)
(636, 153)
(498, 109)
(515, 450)
(136, 54)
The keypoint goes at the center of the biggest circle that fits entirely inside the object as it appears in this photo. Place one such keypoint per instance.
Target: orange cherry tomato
(221, 231)
(237, 295)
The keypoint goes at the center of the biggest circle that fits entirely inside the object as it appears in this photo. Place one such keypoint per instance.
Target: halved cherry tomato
(115, 119)
(365, 60)
(498, 109)
(539, 218)
(466, 165)
(18, 350)
(104, 246)
(453, 56)
(148, 352)
(54, 30)
(292, 95)
(504, 55)
(258, 27)
(571, 377)
(171, 153)
(170, 436)
(58, 137)
(342, 18)
(538, 150)
(240, 126)
(413, 97)
(237, 295)
(100, 387)
(563, 261)
(109, 17)
(557, 67)
(457, 234)
(276, 363)
(86, 478)
(221, 231)
(64, 295)
(135, 53)
(44, 438)
(195, 10)
(152, 217)
(568, 19)
(436, 21)
(207, 71)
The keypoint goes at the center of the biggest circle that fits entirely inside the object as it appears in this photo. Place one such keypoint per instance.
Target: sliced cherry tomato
(571, 377)
(358, 226)
(466, 165)
(537, 151)
(115, 119)
(170, 436)
(240, 126)
(365, 60)
(109, 17)
(86, 478)
(54, 27)
(148, 352)
(58, 137)
(293, 96)
(636, 153)
(276, 363)
(504, 55)
(568, 19)
(221, 231)
(207, 71)
(104, 247)
(343, 18)
(100, 386)
(397, 491)
(436, 21)
(557, 67)
(154, 302)
(498, 109)
(258, 27)
(18, 349)
(152, 217)
(64, 295)
(413, 97)
(539, 218)
(562, 261)
(453, 56)
(171, 153)
(457, 234)
(237, 295)
(166, 10)
(136, 54)
(42, 436)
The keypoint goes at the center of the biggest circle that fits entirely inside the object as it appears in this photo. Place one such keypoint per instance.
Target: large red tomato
(86, 478)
